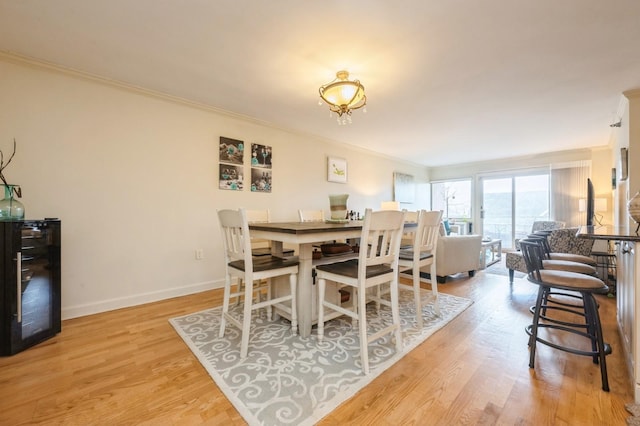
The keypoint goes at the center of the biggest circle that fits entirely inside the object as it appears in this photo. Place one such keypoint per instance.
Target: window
(510, 205)
(453, 198)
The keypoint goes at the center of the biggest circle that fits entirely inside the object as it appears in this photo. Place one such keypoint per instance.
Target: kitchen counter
(609, 232)
(627, 291)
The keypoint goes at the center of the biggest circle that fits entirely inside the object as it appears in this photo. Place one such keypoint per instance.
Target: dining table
(305, 235)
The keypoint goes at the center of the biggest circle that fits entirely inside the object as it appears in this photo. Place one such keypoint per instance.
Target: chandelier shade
(343, 96)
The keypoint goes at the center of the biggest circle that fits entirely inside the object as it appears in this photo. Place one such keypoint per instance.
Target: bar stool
(560, 265)
(572, 257)
(589, 325)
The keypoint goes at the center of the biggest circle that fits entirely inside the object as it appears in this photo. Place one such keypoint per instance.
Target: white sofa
(457, 253)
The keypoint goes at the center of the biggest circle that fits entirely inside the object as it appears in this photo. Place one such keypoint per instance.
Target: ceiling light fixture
(343, 96)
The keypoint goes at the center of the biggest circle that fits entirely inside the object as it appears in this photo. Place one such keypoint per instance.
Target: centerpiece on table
(10, 207)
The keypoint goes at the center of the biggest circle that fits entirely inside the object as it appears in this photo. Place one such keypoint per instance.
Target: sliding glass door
(510, 205)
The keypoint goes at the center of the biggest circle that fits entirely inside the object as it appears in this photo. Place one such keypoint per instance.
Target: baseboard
(137, 299)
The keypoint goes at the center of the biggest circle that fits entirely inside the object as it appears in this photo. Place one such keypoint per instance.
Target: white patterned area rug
(290, 380)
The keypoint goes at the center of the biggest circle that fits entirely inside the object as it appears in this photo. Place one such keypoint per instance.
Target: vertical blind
(568, 183)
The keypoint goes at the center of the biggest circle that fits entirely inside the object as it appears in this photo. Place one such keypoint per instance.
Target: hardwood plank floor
(130, 367)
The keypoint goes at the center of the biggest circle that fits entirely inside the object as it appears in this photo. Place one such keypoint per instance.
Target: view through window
(453, 198)
(511, 204)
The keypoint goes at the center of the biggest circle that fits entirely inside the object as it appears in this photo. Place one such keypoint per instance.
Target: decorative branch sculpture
(3, 165)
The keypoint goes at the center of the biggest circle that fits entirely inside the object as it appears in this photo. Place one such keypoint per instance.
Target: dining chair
(376, 265)
(586, 325)
(409, 235)
(262, 247)
(422, 254)
(311, 215)
(239, 263)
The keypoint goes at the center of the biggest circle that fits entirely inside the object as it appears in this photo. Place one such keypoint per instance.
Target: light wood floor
(129, 367)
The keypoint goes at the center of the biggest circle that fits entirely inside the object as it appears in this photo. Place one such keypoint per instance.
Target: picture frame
(261, 180)
(404, 190)
(336, 170)
(231, 177)
(230, 164)
(231, 151)
(624, 163)
(261, 156)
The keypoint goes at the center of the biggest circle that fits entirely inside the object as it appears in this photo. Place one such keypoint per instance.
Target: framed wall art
(261, 157)
(336, 170)
(231, 157)
(404, 190)
(231, 151)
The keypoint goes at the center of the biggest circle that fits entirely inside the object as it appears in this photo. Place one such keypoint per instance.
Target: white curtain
(568, 186)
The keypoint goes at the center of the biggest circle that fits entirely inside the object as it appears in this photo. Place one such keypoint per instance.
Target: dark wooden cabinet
(29, 283)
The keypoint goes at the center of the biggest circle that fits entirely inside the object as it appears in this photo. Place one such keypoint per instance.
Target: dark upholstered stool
(588, 323)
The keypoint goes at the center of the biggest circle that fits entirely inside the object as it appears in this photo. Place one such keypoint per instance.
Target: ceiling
(447, 81)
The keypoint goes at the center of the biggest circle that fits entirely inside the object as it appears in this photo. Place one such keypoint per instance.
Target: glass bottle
(10, 207)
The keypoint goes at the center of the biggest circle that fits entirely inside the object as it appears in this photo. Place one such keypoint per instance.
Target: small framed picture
(260, 180)
(231, 177)
(336, 170)
(231, 150)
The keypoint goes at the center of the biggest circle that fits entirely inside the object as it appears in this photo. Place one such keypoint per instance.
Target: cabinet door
(10, 282)
(32, 291)
(625, 294)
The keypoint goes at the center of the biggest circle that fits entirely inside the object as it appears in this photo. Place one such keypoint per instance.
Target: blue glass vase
(10, 207)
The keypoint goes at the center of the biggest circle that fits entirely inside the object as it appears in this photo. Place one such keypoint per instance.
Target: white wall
(627, 136)
(133, 177)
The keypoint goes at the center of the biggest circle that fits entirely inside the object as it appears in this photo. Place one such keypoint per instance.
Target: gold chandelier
(343, 96)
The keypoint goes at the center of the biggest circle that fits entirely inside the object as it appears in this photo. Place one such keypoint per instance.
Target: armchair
(457, 253)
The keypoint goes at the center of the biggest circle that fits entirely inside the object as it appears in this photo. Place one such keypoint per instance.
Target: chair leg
(321, 286)
(240, 288)
(395, 314)
(511, 275)
(225, 305)
(362, 325)
(416, 295)
(246, 318)
(354, 306)
(434, 289)
(293, 282)
(602, 350)
(534, 327)
(269, 307)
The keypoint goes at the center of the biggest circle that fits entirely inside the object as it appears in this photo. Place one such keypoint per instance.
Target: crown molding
(32, 62)
(633, 93)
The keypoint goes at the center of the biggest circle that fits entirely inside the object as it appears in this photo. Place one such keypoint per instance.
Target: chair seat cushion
(266, 263)
(570, 281)
(266, 251)
(407, 254)
(565, 265)
(573, 258)
(349, 269)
